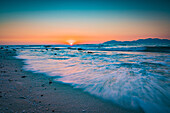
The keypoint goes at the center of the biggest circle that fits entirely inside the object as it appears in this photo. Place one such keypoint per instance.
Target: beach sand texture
(25, 91)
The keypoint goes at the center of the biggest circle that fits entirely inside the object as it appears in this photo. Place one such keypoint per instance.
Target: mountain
(141, 41)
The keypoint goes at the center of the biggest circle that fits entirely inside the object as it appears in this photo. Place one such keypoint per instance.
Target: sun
(71, 42)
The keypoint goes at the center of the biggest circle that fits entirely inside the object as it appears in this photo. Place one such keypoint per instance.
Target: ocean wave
(134, 80)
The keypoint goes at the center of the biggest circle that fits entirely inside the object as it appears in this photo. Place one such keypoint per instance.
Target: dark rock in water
(0, 96)
(43, 85)
(22, 97)
(79, 49)
(3, 71)
(39, 101)
(56, 48)
(14, 50)
(50, 82)
(2, 48)
(52, 110)
(42, 95)
(55, 89)
(10, 80)
(89, 52)
(47, 49)
(15, 70)
(69, 48)
(47, 46)
(23, 76)
(55, 54)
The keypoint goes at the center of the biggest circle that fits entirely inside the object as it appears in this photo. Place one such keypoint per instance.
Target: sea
(131, 76)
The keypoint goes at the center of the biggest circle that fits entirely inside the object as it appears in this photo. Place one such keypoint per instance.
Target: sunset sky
(84, 21)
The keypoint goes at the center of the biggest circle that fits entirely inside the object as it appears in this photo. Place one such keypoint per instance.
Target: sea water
(133, 77)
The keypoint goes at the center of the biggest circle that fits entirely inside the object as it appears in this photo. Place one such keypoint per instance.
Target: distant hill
(141, 41)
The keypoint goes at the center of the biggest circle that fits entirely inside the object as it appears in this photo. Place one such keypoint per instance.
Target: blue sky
(97, 19)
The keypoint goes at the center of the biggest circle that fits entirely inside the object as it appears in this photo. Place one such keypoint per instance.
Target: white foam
(132, 80)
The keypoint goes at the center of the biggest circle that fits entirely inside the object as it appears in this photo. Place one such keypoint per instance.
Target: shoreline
(25, 91)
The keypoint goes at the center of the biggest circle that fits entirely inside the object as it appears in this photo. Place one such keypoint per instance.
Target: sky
(82, 21)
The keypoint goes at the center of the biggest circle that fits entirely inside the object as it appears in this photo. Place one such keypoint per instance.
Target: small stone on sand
(10, 80)
(22, 97)
(47, 109)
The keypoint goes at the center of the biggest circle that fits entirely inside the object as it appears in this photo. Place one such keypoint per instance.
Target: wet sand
(25, 91)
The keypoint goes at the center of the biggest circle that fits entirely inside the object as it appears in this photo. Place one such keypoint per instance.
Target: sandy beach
(24, 91)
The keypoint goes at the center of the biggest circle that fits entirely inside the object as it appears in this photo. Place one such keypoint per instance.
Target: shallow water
(134, 80)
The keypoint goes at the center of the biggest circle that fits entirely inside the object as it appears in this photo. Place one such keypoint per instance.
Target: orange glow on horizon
(71, 42)
(59, 32)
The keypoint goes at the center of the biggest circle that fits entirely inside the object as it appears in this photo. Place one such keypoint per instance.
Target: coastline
(25, 91)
